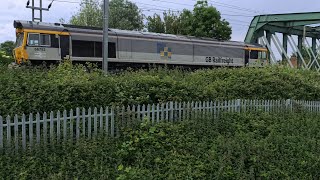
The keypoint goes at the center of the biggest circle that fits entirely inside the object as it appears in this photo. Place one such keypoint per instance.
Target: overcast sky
(238, 12)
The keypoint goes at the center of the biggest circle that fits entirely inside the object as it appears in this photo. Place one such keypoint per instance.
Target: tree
(203, 21)
(170, 24)
(123, 14)
(186, 21)
(90, 14)
(155, 24)
(7, 47)
(206, 22)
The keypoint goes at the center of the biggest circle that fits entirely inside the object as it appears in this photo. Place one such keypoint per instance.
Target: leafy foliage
(123, 15)
(7, 47)
(253, 145)
(90, 14)
(204, 21)
(5, 59)
(155, 24)
(207, 22)
(169, 25)
(27, 90)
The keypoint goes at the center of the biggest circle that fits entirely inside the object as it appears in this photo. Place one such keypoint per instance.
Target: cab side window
(44, 39)
(35, 39)
(262, 55)
(253, 54)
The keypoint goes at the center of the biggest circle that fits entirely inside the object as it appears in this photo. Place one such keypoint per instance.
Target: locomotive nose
(17, 55)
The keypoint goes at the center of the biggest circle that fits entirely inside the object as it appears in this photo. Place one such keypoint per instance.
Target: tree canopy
(7, 47)
(202, 21)
(123, 15)
(90, 14)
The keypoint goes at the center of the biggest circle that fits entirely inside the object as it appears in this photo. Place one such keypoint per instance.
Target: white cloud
(16, 10)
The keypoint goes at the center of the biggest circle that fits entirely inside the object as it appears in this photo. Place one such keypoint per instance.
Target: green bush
(5, 59)
(235, 146)
(26, 90)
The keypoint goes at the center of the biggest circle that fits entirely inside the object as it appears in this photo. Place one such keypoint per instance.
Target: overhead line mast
(105, 35)
(40, 9)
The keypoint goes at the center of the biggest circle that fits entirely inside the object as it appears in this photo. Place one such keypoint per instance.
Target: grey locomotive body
(84, 44)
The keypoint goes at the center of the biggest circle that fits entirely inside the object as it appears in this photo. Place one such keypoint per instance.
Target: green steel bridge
(298, 30)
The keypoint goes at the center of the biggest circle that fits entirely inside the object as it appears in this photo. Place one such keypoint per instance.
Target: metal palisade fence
(23, 132)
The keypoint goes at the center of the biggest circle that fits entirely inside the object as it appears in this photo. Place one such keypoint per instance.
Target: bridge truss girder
(265, 27)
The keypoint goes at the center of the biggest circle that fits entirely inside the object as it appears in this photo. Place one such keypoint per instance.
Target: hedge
(237, 146)
(26, 90)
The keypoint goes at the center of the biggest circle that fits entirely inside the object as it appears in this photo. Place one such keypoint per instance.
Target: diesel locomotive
(54, 42)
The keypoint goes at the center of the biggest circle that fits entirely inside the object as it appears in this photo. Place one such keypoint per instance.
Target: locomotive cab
(40, 44)
(19, 52)
(256, 57)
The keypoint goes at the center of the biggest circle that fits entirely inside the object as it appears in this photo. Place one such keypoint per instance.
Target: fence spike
(143, 111)
(167, 112)
(162, 110)
(65, 125)
(175, 111)
(38, 128)
(51, 127)
(101, 120)
(71, 125)
(152, 113)
(158, 113)
(24, 134)
(58, 126)
(8, 119)
(45, 127)
(139, 113)
(84, 122)
(89, 123)
(148, 112)
(95, 121)
(31, 130)
(133, 114)
(107, 121)
(16, 132)
(117, 120)
(112, 122)
(78, 123)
